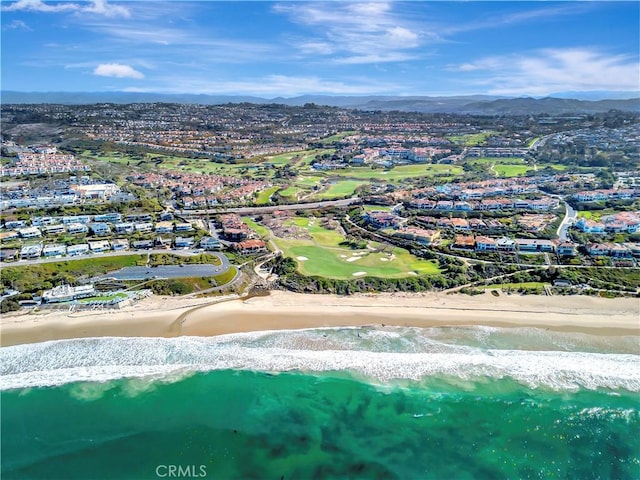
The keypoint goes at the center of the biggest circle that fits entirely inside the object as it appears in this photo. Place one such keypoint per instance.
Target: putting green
(326, 258)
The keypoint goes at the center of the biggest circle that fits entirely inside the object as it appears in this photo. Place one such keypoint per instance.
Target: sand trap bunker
(413, 273)
(343, 256)
(353, 259)
(384, 259)
(359, 274)
(302, 259)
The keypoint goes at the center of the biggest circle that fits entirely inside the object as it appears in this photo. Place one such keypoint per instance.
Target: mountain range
(469, 104)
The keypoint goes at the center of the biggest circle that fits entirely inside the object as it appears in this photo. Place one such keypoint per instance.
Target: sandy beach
(170, 317)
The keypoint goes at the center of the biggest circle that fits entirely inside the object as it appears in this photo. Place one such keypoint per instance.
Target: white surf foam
(103, 359)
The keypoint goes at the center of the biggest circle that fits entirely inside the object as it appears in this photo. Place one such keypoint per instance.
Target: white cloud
(555, 70)
(17, 25)
(40, 6)
(273, 86)
(117, 70)
(355, 32)
(100, 7)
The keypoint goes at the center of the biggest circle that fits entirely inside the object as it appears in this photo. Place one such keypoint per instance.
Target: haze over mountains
(472, 104)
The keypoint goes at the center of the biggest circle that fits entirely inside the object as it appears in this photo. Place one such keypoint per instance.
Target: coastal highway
(224, 261)
(268, 209)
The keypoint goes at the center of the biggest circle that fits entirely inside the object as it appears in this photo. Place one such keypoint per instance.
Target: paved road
(184, 253)
(296, 206)
(569, 217)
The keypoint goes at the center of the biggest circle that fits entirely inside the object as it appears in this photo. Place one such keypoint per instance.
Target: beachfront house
(142, 244)
(210, 243)
(183, 242)
(67, 293)
(120, 244)
(79, 249)
(99, 246)
(54, 250)
(30, 252)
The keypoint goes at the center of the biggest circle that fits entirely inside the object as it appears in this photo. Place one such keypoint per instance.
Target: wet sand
(170, 317)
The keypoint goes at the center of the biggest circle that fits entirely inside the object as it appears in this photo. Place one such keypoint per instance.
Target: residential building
(566, 249)
(42, 221)
(8, 255)
(619, 251)
(67, 293)
(120, 244)
(505, 244)
(144, 227)
(142, 244)
(485, 244)
(210, 243)
(76, 219)
(124, 227)
(79, 249)
(15, 224)
(250, 246)
(534, 245)
(77, 228)
(420, 235)
(183, 227)
(54, 250)
(598, 249)
(53, 229)
(184, 242)
(100, 229)
(99, 246)
(383, 219)
(112, 217)
(29, 232)
(30, 252)
(164, 227)
(466, 242)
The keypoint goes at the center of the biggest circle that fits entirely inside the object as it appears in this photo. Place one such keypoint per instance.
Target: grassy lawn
(396, 173)
(498, 160)
(103, 298)
(36, 277)
(339, 189)
(471, 139)
(256, 227)
(283, 158)
(265, 195)
(324, 256)
(376, 208)
(308, 181)
(337, 137)
(225, 277)
(290, 192)
(506, 170)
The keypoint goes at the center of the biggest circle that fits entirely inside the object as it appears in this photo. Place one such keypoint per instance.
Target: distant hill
(472, 104)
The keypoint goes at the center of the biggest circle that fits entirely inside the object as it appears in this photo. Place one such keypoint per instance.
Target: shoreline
(171, 317)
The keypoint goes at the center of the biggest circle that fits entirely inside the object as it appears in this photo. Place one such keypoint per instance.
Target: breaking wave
(534, 358)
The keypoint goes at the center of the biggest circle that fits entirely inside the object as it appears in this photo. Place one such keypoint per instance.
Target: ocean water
(406, 403)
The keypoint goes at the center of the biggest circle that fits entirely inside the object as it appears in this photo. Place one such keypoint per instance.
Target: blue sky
(292, 48)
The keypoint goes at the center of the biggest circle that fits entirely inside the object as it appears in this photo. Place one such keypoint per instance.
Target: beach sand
(170, 317)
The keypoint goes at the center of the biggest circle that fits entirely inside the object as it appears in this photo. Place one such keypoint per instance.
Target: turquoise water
(330, 403)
